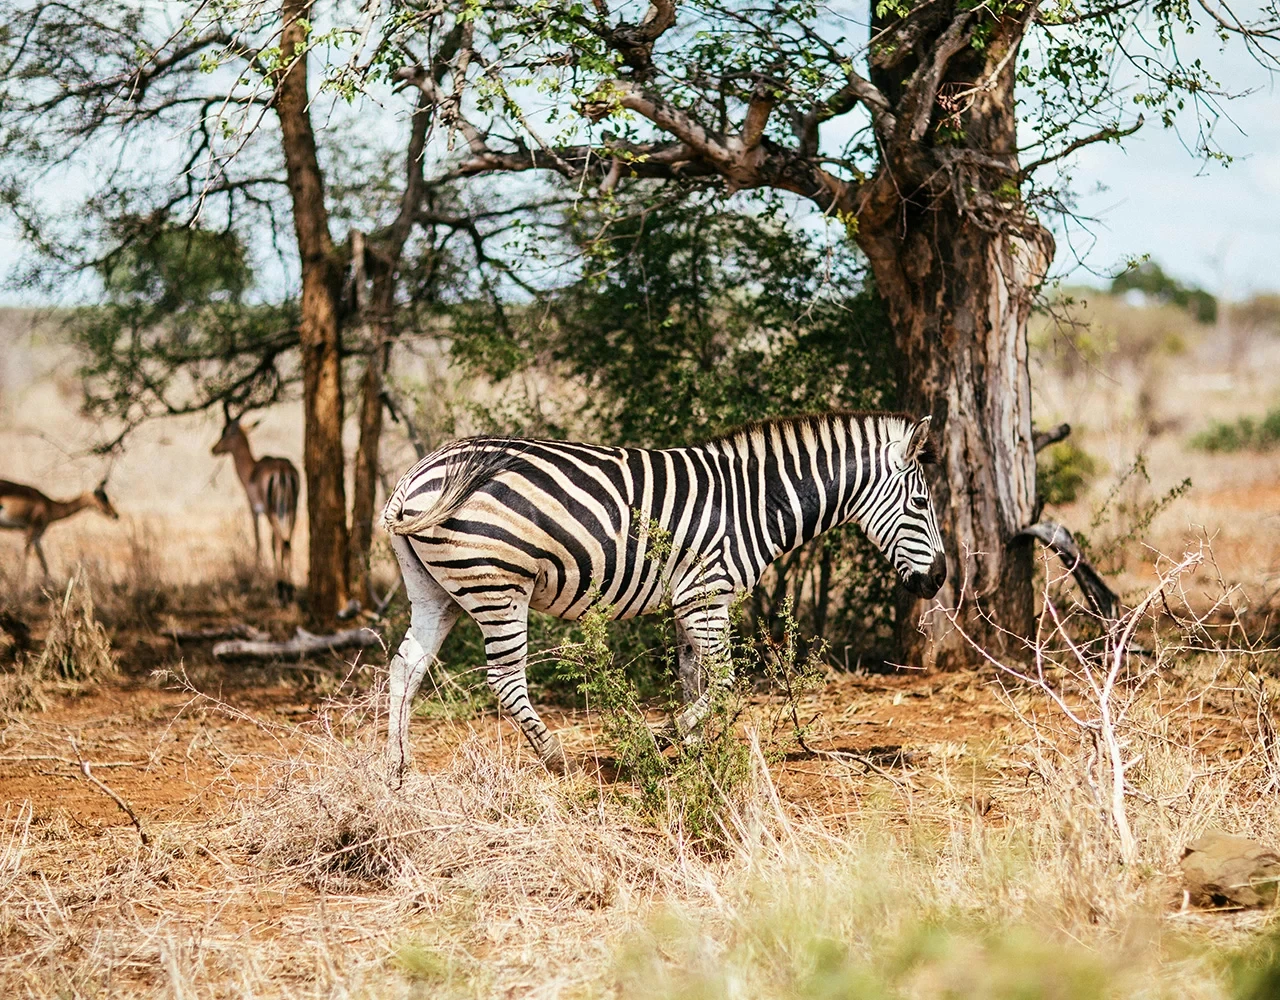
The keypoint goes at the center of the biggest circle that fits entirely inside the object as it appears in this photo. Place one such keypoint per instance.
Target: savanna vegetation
(377, 229)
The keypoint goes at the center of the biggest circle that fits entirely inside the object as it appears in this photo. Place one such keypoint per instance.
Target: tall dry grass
(990, 870)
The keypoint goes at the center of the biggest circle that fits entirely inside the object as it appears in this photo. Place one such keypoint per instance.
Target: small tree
(193, 126)
(687, 320)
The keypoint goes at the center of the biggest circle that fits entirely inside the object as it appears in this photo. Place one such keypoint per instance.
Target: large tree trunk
(963, 346)
(364, 488)
(321, 354)
(958, 259)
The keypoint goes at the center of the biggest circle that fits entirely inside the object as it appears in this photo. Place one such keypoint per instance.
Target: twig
(106, 789)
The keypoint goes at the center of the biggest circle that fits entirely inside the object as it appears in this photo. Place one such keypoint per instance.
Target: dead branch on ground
(236, 630)
(302, 645)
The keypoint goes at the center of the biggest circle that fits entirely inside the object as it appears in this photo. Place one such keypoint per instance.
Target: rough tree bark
(375, 264)
(957, 258)
(365, 484)
(322, 273)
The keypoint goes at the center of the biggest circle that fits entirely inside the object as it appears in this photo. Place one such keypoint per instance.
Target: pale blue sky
(1218, 226)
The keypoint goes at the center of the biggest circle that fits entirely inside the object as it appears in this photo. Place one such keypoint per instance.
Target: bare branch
(1109, 134)
(1042, 439)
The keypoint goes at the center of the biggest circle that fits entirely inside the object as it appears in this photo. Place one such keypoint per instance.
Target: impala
(271, 484)
(25, 508)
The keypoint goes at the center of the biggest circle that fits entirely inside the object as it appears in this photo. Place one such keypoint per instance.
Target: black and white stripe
(496, 526)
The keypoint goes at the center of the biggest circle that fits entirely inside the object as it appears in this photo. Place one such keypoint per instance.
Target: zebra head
(901, 521)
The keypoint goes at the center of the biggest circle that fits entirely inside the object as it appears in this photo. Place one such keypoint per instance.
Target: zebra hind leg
(706, 669)
(506, 643)
(433, 613)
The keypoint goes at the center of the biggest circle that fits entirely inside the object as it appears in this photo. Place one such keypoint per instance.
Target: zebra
(495, 526)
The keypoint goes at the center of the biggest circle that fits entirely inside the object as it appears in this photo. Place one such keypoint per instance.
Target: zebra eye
(920, 503)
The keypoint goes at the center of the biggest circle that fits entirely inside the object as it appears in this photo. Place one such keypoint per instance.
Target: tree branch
(1042, 439)
(922, 86)
(1109, 134)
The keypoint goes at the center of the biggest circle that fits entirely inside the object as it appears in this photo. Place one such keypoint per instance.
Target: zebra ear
(918, 447)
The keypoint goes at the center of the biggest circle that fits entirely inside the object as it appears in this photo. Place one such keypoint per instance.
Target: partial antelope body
(271, 484)
(25, 508)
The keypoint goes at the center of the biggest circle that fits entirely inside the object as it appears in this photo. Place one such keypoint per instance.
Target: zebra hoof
(554, 760)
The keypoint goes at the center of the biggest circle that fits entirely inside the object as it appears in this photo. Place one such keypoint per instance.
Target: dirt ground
(176, 755)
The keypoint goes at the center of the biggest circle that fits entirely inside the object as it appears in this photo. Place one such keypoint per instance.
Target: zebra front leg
(687, 665)
(433, 614)
(506, 644)
(707, 668)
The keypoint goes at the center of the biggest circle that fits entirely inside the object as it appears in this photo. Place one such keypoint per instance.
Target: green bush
(688, 785)
(1062, 472)
(1245, 434)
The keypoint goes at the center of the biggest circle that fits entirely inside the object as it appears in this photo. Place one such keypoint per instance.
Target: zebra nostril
(938, 571)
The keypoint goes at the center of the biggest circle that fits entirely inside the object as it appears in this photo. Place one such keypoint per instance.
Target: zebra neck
(809, 487)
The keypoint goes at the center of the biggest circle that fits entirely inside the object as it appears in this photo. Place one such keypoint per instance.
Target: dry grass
(987, 867)
(990, 870)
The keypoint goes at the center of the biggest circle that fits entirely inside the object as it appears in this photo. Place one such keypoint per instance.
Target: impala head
(231, 432)
(102, 503)
(902, 521)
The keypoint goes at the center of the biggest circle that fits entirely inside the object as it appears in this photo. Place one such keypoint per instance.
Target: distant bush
(1150, 279)
(1245, 434)
(1063, 471)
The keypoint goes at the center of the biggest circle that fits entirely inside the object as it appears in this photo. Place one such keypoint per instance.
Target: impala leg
(286, 565)
(277, 557)
(707, 668)
(433, 615)
(33, 542)
(257, 542)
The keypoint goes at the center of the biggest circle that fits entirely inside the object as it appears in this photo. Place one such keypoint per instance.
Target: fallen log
(237, 630)
(1054, 536)
(302, 645)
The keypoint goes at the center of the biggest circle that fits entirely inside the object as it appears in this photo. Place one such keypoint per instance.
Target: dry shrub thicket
(76, 651)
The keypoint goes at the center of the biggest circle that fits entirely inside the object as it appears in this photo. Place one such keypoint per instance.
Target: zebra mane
(473, 462)
(816, 421)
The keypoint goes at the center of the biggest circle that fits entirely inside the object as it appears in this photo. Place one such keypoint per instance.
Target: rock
(1222, 870)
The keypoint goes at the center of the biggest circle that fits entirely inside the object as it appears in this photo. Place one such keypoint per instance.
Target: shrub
(687, 786)
(1246, 433)
(1063, 471)
(77, 647)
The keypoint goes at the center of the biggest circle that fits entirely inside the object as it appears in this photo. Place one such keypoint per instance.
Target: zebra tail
(464, 473)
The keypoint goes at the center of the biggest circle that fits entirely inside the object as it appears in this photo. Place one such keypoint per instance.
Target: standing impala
(25, 508)
(271, 485)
